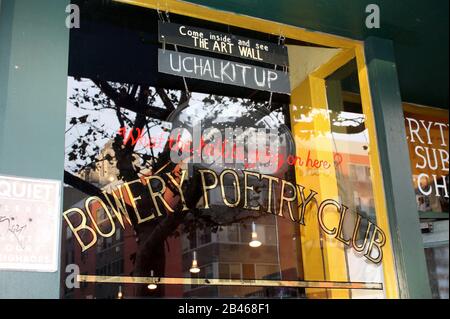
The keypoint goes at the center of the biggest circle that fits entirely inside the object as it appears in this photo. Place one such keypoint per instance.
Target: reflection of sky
(347, 118)
(106, 119)
(360, 137)
(351, 143)
(342, 142)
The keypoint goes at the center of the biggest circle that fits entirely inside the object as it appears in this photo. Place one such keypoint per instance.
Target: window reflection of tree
(141, 108)
(138, 107)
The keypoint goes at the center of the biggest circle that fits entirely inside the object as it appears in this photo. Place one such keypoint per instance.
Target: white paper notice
(29, 224)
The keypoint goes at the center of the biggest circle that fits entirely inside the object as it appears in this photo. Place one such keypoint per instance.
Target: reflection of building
(223, 254)
(432, 192)
(111, 256)
(355, 189)
(353, 177)
(226, 255)
(104, 170)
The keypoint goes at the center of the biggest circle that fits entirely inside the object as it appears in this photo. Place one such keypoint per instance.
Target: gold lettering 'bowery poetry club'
(293, 204)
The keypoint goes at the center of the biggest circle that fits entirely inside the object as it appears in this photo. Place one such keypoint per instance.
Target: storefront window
(427, 134)
(286, 210)
(437, 262)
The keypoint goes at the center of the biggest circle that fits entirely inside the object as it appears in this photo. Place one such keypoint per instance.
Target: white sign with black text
(29, 224)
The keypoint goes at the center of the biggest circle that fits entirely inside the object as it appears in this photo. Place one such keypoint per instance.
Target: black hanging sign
(222, 71)
(223, 43)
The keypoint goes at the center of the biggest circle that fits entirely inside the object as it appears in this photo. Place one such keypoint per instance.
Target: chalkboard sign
(223, 71)
(223, 43)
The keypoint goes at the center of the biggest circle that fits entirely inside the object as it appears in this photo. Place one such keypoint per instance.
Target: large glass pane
(212, 189)
(333, 163)
(427, 134)
(437, 261)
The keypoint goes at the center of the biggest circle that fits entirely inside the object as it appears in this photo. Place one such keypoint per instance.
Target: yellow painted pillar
(323, 256)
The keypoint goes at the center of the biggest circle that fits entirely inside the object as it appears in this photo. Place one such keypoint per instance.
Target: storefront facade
(337, 212)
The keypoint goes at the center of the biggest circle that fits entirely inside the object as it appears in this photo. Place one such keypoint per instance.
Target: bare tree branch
(165, 98)
(127, 101)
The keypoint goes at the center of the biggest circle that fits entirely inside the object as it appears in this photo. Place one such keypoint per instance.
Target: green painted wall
(33, 75)
(394, 154)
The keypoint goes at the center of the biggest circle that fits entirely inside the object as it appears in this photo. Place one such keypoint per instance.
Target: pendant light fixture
(194, 268)
(254, 242)
(152, 285)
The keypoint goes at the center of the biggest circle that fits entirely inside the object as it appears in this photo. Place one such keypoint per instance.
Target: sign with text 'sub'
(223, 43)
(29, 224)
(428, 140)
(222, 71)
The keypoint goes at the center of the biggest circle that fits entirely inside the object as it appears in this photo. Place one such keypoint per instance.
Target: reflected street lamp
(194, 268)
(254, 242)
(153, 285)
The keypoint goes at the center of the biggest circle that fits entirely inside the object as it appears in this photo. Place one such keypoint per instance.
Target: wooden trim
(433, 215)
(243, 21)
(389, 266)
(334, 64)
(424, 110)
